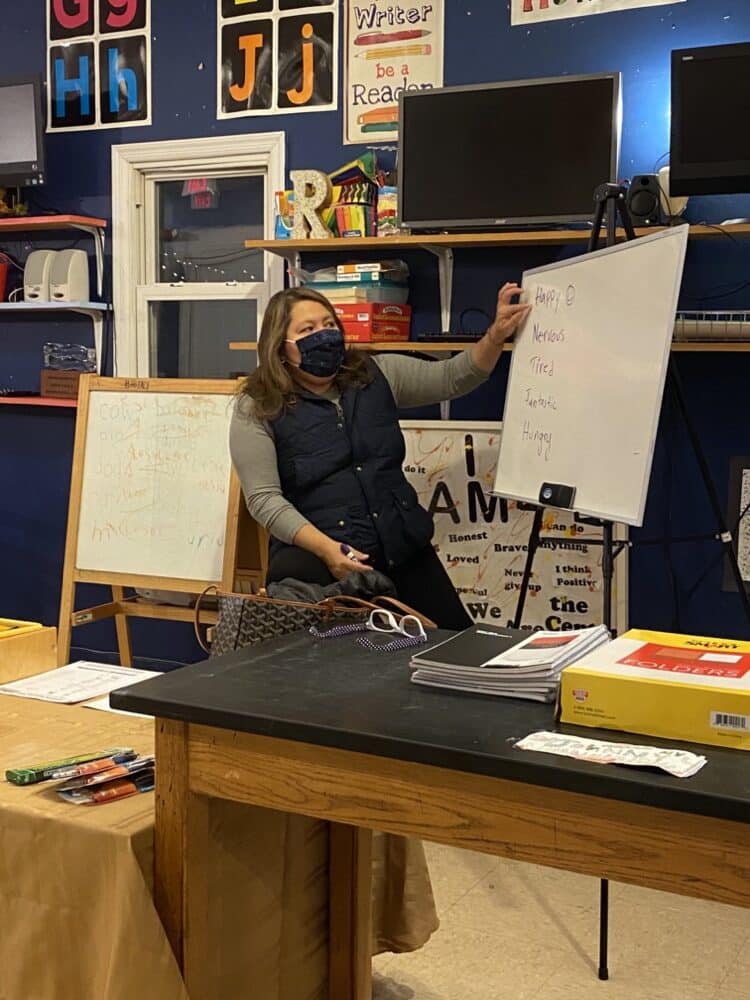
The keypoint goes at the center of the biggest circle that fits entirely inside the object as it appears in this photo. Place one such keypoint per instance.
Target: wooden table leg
(122, 627)
(350, 913)
(171, 829)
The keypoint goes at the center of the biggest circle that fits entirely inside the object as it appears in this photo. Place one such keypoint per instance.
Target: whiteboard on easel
(587, 378)
(155, 482)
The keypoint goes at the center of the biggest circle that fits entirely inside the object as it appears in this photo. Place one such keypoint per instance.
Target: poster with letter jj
(527, 11)
(482, 540)
(276, 56)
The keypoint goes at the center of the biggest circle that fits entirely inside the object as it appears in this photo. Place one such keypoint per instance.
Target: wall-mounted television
(21, 132)
(710, 143)
(529, 152)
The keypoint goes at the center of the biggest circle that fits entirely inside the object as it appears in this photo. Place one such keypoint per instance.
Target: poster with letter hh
(98, 64)
(276, 56)
(390, 47)
(526, 11)
(482, 539)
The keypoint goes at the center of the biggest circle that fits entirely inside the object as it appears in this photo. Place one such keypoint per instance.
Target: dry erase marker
(94, 766)
(111, 774)
(120, 789)
(346, 550)
(35, 773)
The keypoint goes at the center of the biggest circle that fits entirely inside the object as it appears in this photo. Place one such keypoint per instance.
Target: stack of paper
(488, 659)
(76, 682)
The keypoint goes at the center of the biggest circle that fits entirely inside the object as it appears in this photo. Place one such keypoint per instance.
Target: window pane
(203, 225)
(190, 339)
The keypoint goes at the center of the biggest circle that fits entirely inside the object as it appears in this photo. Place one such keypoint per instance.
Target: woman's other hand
(341, 564)
(509, 316)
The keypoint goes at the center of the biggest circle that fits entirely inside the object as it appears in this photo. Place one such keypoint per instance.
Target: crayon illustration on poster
(276, 56)
(528, 11)
(98, 64)
(390, 47)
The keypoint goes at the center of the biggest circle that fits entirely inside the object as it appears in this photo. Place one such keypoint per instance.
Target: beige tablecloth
(78, 919)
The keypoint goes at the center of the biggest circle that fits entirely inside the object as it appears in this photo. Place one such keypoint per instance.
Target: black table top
(334, 693)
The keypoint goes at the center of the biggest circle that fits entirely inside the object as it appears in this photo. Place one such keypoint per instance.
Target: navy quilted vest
(341, 467)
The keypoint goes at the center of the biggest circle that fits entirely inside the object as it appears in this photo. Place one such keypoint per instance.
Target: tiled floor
(511, 931)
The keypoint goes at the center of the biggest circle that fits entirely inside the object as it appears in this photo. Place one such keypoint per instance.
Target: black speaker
(644, 200)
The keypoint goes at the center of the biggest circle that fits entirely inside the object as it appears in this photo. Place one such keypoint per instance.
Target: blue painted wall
(683, 590)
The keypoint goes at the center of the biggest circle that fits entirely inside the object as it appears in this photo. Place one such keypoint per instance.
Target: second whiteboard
(587, 377)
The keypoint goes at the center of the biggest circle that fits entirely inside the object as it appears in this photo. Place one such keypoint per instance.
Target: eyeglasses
(408, 628)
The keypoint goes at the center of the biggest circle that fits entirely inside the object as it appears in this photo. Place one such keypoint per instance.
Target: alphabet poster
(482, 540)
(277, 56)
(98, 64)
(526, 11)
(390, 47)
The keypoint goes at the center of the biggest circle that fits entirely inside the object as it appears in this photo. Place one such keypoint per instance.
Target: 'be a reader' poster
(527, 11)
(389, 48)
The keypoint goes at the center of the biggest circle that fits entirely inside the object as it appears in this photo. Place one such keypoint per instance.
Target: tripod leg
(533, 546)
(710, 486)
(603, 971)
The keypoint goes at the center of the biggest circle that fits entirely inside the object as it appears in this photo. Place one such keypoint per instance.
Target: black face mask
(322, 352)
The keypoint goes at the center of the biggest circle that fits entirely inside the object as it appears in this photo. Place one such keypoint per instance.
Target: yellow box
(662, 684)
(26, 652)
(10, 627)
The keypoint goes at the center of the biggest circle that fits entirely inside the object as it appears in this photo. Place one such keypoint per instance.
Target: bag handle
(197, 617)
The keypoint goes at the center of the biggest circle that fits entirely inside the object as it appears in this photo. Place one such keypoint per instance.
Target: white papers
(103, 705)
(679, 763)
(79, 681)
(529, 669)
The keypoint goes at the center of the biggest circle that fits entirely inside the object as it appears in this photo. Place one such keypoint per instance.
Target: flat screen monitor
(528, 152)
(21, 132)
(710, 143)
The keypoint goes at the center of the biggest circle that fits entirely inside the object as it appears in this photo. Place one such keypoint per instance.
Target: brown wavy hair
(271, 386)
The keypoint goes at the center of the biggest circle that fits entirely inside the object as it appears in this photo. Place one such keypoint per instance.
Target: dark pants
(422, 583)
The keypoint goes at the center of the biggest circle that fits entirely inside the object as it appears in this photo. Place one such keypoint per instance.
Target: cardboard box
(375, 333)
(660, 684)
(27, 653)
(372, 312)
(374, 322)
(60, 384)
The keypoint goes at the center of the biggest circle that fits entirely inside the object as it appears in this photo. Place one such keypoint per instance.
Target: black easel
(611, 198)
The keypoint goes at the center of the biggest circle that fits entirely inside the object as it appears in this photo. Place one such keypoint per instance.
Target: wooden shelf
(711, 345)
(457, 241)
(426, 346)
(436, 347)
(56, 306)
(23, 223)
(38, 401)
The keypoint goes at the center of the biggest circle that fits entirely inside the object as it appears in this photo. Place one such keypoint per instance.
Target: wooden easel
(245, 554)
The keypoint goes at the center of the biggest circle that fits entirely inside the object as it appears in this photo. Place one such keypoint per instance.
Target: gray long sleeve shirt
(413, 382)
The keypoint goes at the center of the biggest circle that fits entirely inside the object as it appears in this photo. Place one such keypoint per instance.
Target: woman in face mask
(317, 445)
